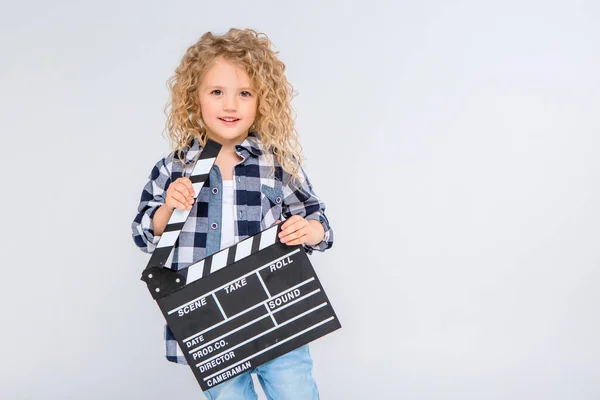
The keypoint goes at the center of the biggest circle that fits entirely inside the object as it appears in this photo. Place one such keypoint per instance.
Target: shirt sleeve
(153, 196)
(303, 201)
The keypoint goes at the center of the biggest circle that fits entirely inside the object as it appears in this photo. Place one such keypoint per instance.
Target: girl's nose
(229, 104)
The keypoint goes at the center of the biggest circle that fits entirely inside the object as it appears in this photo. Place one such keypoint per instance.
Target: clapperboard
(241, 306)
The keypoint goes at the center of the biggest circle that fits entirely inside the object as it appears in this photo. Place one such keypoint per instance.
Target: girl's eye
(216, 91)
(246, 94)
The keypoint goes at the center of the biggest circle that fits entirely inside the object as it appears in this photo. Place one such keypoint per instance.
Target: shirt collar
(250, 143)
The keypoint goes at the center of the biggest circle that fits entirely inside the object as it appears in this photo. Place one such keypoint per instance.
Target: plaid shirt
(260, 199)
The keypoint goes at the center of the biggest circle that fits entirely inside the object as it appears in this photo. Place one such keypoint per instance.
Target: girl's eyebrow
(221, 87)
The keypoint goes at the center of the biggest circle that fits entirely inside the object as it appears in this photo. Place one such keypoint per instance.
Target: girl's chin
(227, 135)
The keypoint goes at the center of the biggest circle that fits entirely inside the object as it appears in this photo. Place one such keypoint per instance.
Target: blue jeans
(287, 377)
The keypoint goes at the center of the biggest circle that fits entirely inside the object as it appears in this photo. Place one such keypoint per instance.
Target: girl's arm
(304, 203)
(161, 218)
(153, 197)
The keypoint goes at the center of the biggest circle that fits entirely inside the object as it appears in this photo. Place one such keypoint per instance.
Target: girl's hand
(297, 230)
(180, 195)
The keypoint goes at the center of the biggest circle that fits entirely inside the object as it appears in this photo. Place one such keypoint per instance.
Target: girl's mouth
(229, 121)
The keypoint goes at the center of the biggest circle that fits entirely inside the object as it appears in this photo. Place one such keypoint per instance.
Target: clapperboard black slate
(241, 306)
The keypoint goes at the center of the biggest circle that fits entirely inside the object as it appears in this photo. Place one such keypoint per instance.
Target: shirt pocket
(271, 201)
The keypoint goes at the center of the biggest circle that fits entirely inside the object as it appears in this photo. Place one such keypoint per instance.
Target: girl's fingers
(184, 185)
(299, 240)
(299, 224)
(291, 237)
(188, 184)
(180, 197)
(180, 201)
(183, 189)
(290, 221)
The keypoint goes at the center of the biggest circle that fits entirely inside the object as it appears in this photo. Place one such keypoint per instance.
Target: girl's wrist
(168, 208)
(318, 232)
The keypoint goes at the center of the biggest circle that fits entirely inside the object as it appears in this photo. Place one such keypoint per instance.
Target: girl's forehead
(223, 71)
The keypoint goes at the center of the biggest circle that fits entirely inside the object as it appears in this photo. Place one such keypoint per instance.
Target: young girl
(232, 89)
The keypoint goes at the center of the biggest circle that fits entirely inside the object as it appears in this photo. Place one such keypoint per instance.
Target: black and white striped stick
(199, 176)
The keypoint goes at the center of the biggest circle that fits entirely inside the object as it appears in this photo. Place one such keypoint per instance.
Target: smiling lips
(229, 119)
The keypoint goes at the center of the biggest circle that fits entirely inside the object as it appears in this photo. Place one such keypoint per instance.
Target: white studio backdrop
(456, 145)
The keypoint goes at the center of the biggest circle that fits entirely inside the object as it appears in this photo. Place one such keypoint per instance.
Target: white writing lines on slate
(272, 317)
(222, 322)
(219, 305)
(228, 333)
(252, 322)
(250, 309)
(297, 300)
(233, 281)
(264, 333)
(271, 347)
(263, 284)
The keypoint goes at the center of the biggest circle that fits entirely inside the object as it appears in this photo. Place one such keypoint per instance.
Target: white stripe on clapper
(268, 237)
(203, 166)
(195, 272)
(168, 239)
(243, 249)
(219, 261)
(179, 216)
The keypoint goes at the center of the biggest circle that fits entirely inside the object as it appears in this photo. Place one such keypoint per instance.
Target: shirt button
(215, 190)
(214, 225)
(278, 200)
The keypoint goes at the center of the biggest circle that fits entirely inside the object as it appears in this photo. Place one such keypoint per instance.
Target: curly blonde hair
(274, 122)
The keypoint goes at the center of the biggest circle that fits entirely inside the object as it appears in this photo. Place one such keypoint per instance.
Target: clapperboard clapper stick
(242, 306)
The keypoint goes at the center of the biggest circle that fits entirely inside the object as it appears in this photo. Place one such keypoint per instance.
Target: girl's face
(227, 102)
